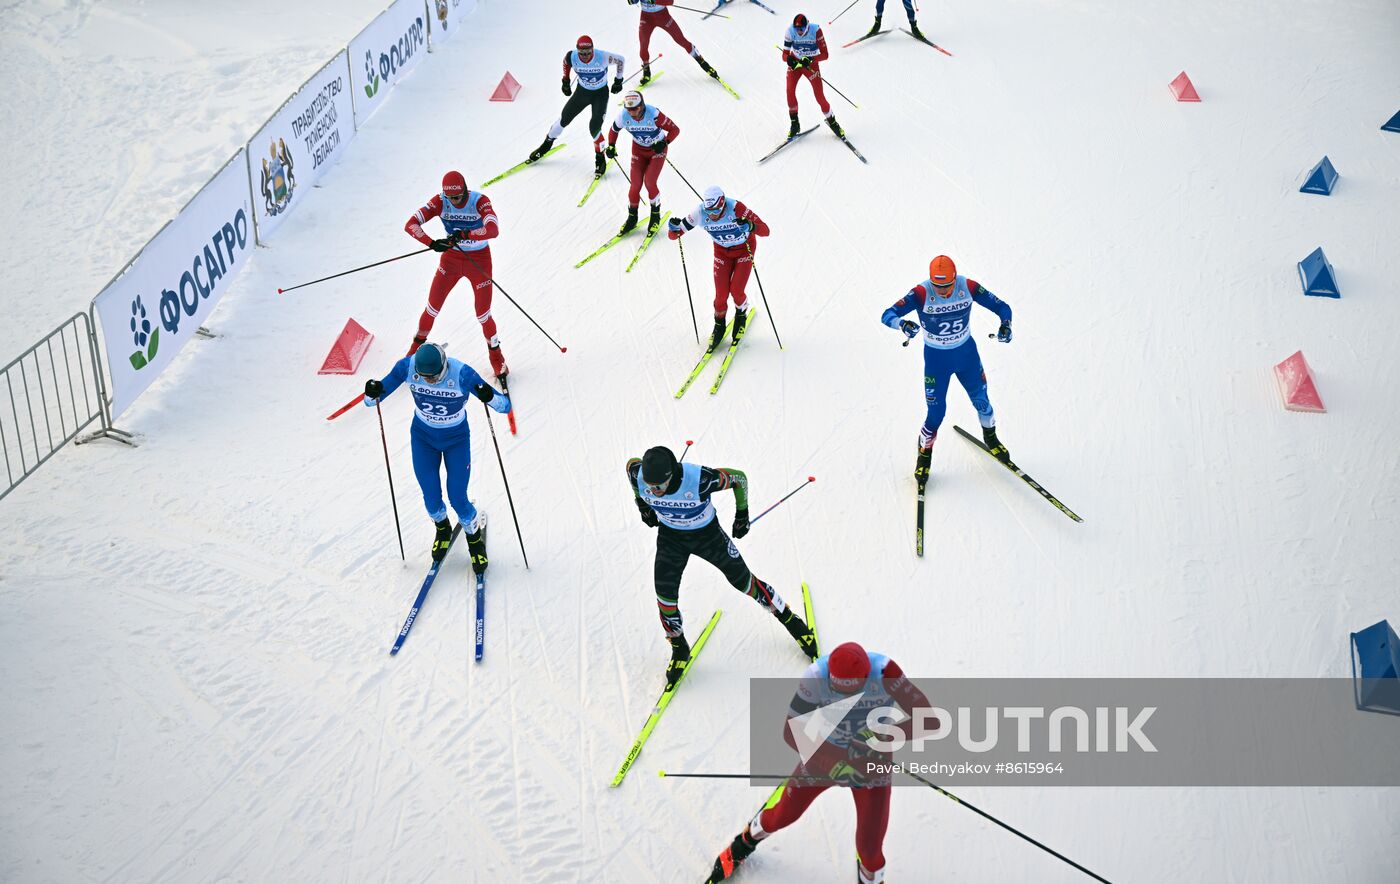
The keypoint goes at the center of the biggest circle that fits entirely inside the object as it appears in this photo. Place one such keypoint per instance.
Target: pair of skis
(724, 364)
(844, 140)
(920, 37)
(646, 243)
(1015, 471)
(723, 3)
(670, 691)
(480, 630)
(518, 166)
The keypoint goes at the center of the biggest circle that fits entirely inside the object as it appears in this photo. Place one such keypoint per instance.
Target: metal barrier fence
(48, 395)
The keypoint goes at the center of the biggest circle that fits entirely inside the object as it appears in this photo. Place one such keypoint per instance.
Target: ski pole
(701, 11)
(356, 270)
(843, 12)
(505, 481)
(618, 163)
(392, 498)
(529, 317)
(688, 296)
(827, 83)
(764, 295)
(1016, 832)
(688, 443)
(810, 480)
(678, 172)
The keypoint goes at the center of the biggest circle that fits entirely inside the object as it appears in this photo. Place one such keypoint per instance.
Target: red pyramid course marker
(1183, 89)
(348, 350)
(1295, 385)
(508, 88)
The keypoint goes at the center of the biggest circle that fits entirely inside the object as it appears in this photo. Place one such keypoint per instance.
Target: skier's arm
(564, 84)
(806, 699)
(379, 388)
(678, 227)
(490, 225)
(469, 379)
(714, 479)
(822, 53)
(906, 695)
(414, 225)
(990, 301)
(912, 300)
(619, 60)
(634, 469)
(612, 136)
(744, 213)
(668, 126)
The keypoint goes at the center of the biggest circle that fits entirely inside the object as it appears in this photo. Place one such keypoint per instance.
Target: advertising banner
(385, 52)
(448, 18)
(301, 141)
(150, 310)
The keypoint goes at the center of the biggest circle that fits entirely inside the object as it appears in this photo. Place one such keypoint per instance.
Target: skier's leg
(974, 380)
(794, 802)
(724, 268)
(572, 108)
(599, 97)
(653, 167)
(634, 193)
(937, 373)
(450, 269)
(792, 78)
(644, 37)
(739, 277)
(815, 78)
(458, 458)
(872, 820)
(671, 557)
(427, 465)
(673, 28)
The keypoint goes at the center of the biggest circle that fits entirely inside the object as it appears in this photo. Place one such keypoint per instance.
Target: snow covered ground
(193, 650)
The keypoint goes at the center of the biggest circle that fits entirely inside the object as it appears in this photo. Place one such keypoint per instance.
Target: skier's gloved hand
(844, 773)
(617, 85)
(674, 229)
(1004, 333)
(909, 327)
(648, 514)
(374, 389)
(611, 151)
(566, 87)
(741, 523)
(633, 2)
(442, 245)
(792, 62)
(802, 64)
(500, 403)
(659, 147)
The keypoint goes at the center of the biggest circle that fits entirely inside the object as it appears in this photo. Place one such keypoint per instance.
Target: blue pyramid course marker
(1318, 278)
(1321, 179)
(1394, 124)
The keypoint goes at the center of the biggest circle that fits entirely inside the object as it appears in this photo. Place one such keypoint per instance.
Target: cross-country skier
(656, 15)
(841, 760)
(908, 8)
(471, 223)
(440, 435)
(674, 498)
(732, 225)
(804, 49)
(944, 302)
(652, 133)
(591, 66)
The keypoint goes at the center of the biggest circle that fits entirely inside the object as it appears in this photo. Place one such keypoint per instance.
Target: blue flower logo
(142, 335)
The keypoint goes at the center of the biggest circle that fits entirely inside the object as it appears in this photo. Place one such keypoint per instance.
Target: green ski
(518, 166)
(729, 357)
(646, 241)
(665, 701)
(604, 247)
(704, 361)
(727, 87)
(807, 609)
(1020, 474)
(592, 187)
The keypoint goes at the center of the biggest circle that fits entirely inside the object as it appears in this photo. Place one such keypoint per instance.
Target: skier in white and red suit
(841, 759)
(652, 133)
(656, 15)
(471, 223)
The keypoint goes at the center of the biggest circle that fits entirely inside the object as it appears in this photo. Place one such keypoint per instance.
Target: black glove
(611, 151)
(792, 62)
(659, 147)
(568, 90)
(648, 514)
(909, 327)
(741, 523)
(484, 392)
(617, 85)
(374, 388)
(443, 245)
(1004, 333)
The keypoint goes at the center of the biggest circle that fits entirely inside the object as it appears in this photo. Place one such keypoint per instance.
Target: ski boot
(680, 660)
(835, 126)
(733, 856)
(476, 546)
(741, 322)
(994, 446)
(718, 334)
(875, 28)
(646, 73)
(921, 466)
(864, 876)
(705, 66)
(800, 632)
(443, 540)
(600, 164)
(418, 341)
(498, 361)
(795, 128)
(914, 29)
(543, 149)
(631, 223)
(655, 220)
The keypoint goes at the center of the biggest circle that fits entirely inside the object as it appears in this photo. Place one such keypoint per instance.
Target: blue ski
(480, 615)
(423, 594)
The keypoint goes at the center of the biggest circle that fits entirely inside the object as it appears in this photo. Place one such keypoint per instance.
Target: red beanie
(849, 667)
(453, 184)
